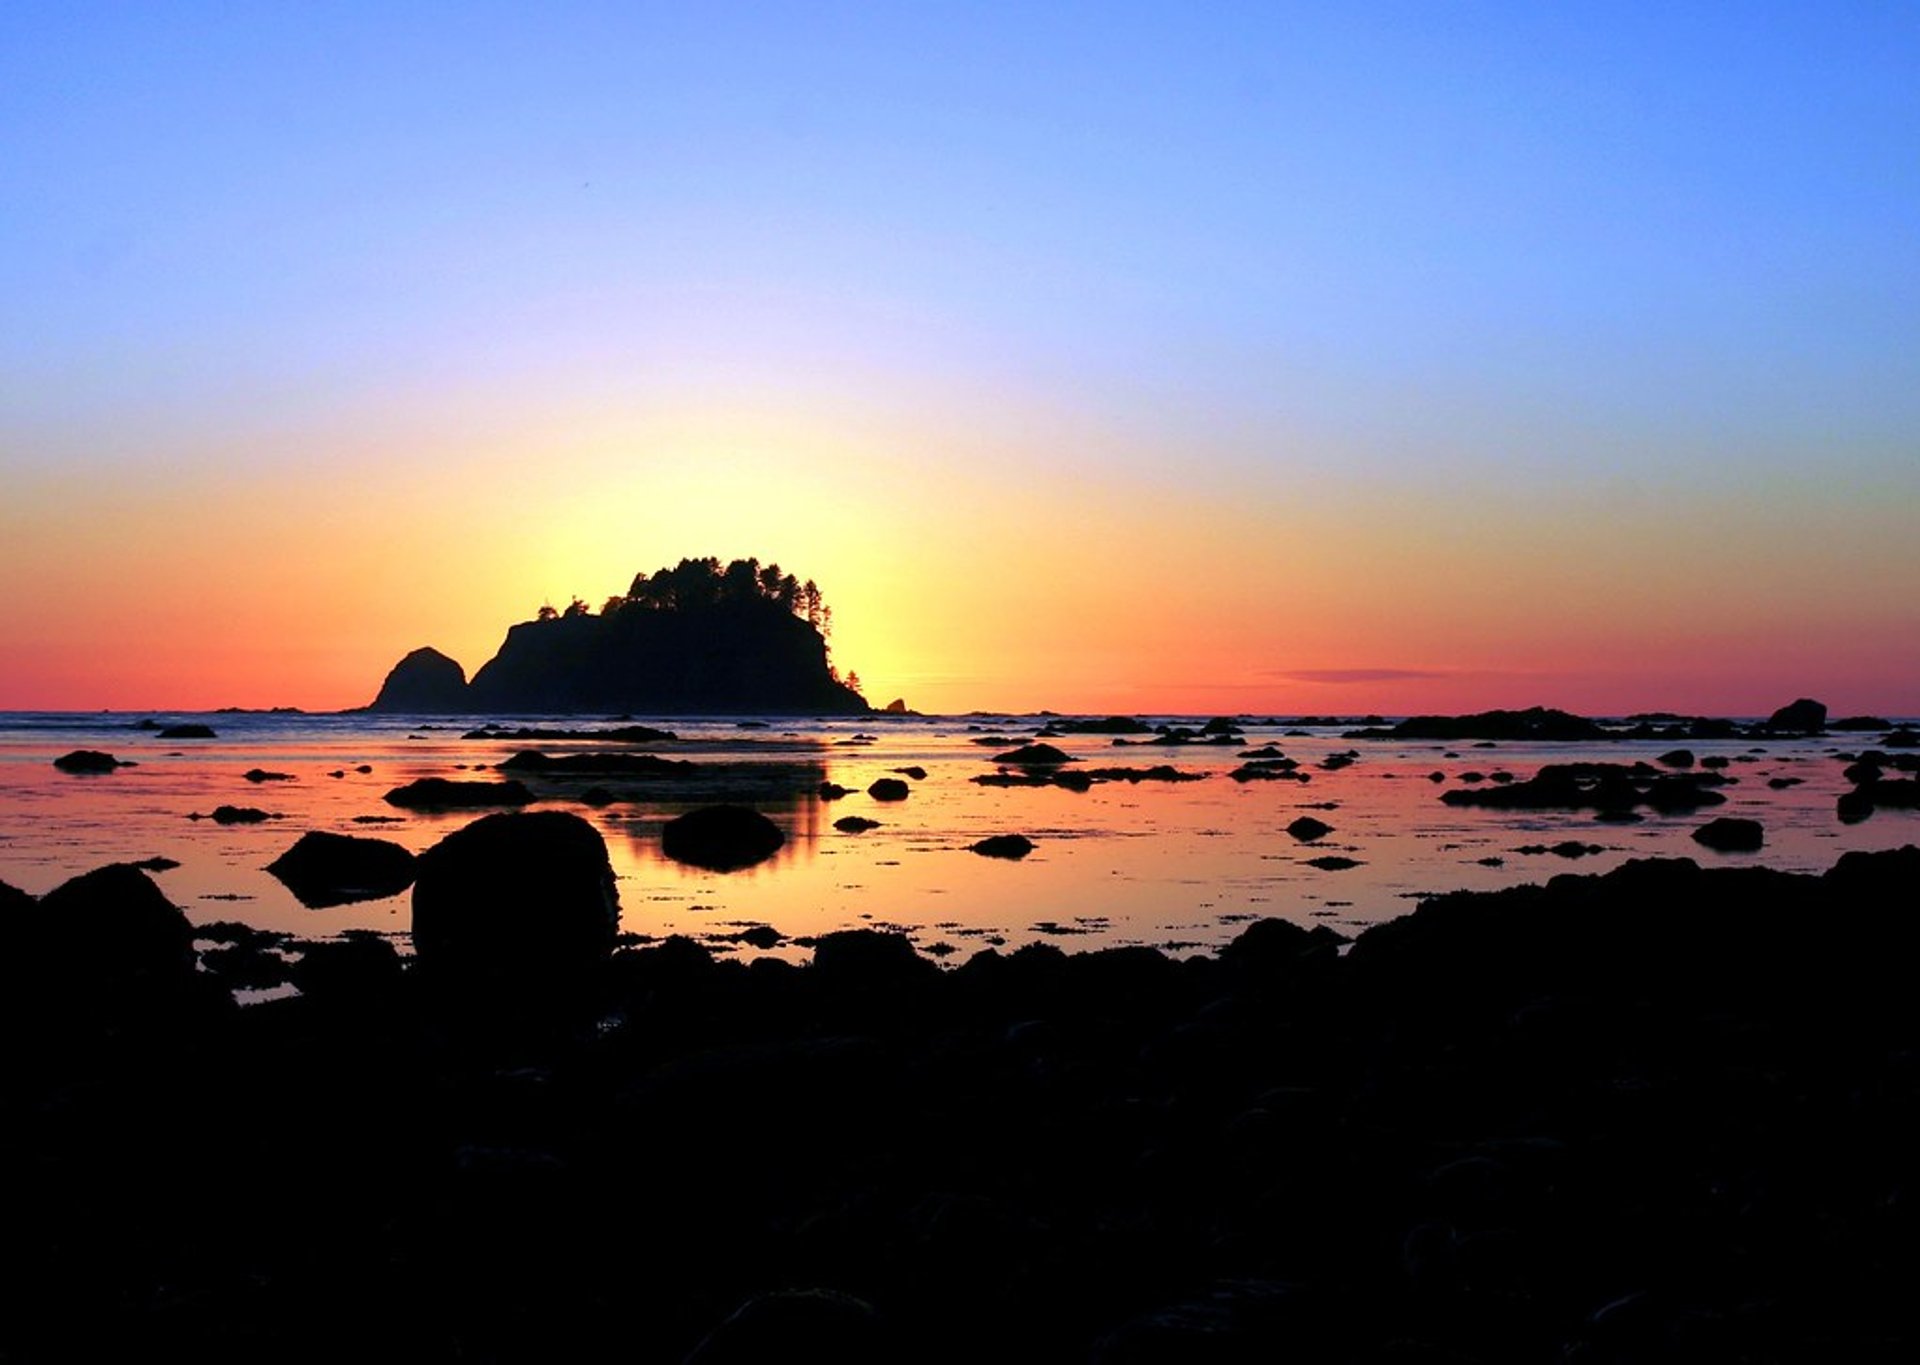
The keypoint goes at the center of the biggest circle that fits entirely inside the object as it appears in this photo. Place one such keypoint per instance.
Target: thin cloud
(1338, 676)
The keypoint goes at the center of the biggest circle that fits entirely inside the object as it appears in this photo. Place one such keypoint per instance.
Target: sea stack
(426, 680)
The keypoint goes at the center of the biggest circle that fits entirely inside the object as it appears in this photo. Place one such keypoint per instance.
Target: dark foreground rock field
(1661, 1115)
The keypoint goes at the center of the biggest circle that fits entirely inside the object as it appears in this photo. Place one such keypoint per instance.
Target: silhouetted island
(699, 638)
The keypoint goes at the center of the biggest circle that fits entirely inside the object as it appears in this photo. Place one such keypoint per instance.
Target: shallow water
(1177, 866)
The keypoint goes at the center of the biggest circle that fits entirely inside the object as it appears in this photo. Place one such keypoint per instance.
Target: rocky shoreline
(1660, 1114)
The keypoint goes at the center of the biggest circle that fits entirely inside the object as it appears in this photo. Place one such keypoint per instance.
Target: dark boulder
(89, 761)
(866, 958)
(1269, 945)
(889, 789)
(514, 893)
(1854, 806)
(1802, 717)
(833, 791)
(855, 824)
(1678, 758)
(1535, 723)
(622, 765)
(1306, 829)
(440, 793)
(323, 869)
(426, 680)
(358, 969)
(114, 929)
(1333, 862)
(1730, 835)
(721, 838)
(262, 775)
(187, 732)
(1003, 846)
(240, 815)
(1034, 756)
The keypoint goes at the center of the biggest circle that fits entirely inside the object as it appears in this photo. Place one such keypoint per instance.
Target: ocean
(1177, 865)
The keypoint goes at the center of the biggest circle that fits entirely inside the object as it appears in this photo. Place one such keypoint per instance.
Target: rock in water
(889, 789)
(88, 761)
(426, 680)
(1034, 756)
(1803, 717)
(721, 838)
(324, 869)
(1306, 829)
(513, 893)
(1003, 846)
(440, 793)
(1729, 835)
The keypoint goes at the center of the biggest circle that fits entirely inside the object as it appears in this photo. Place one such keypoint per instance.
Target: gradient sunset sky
(1102, 357)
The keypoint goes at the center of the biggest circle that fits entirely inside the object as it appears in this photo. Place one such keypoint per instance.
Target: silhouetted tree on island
(697, 637)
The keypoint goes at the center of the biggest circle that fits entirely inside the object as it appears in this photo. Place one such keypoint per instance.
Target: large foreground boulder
(113, 926)
(526, 893)
(104, 958)
(325, 869)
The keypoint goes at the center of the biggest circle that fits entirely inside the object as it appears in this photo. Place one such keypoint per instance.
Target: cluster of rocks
(1614, 790)
(1660, 1114)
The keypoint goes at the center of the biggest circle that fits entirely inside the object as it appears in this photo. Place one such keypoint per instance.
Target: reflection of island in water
(698, 638)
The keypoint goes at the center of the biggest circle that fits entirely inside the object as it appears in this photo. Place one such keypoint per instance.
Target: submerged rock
(1306, 829)
(514, 892)
(187, 732)
(889, 789)
(855, 824)
(324, 869)
(721, 838)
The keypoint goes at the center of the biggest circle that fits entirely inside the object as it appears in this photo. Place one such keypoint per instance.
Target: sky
(1098, 357)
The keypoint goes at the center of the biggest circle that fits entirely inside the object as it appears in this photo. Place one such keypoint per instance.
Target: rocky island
(696, 638)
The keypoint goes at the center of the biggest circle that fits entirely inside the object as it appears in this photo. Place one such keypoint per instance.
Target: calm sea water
(1177, 866)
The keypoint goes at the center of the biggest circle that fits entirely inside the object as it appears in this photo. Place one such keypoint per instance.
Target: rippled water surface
(1174, 865)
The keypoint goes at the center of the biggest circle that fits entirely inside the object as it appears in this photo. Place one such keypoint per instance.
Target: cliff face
(730, 658)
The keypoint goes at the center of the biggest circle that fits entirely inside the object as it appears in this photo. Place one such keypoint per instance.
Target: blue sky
(1579, 256)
